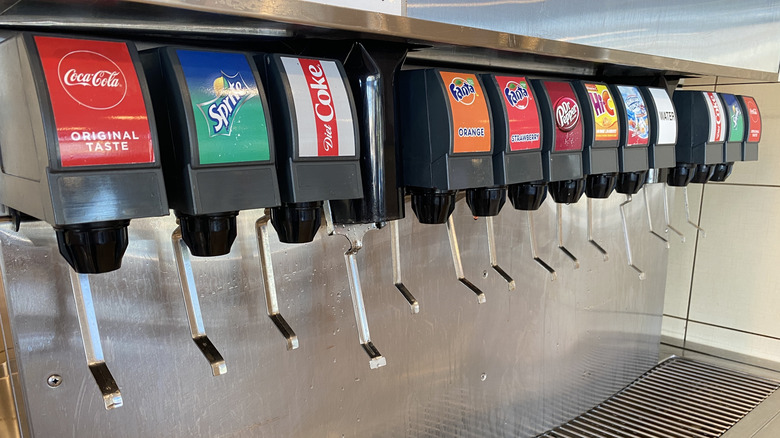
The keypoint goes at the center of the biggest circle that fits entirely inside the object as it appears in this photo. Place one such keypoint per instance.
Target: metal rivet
(54, 380)
(483, 377)
(484, 274)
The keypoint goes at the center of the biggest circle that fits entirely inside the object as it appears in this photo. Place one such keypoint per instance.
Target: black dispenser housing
(701, 136)
(602, 132)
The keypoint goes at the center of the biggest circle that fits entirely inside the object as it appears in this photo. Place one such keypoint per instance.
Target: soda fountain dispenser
(600, 151)
(732, 149)
(446, 139)
(562, 148)
(217, 158)
(700, 141)
(318, 150)
(81, 155)
(661, 153)
(632, 152)
(753, 130)
(517, 151)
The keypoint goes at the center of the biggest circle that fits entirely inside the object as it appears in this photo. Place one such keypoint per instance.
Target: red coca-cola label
(324, 110)
(754, 116)
(98, 104)
(566, 114)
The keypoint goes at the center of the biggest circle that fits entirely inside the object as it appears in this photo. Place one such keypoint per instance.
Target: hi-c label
(604, 114)
(470, 116)
(230, 121)
(97, 101)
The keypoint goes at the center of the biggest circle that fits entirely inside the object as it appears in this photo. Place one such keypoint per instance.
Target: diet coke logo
(567, 114)
(92, 79)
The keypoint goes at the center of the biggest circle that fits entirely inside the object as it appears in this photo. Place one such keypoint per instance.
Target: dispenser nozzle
(192, 304)
(90, 336)
(269, 281)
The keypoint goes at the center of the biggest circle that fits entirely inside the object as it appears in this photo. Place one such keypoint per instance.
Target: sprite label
(229, 115)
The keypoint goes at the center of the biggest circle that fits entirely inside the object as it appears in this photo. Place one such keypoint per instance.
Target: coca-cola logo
(92, 79)
(567, 114)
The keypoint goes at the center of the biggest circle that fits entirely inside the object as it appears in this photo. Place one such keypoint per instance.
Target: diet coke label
(322, 108)
(98, 104)
(91, 79)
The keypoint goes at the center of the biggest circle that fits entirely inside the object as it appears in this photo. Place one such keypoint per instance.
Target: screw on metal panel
(485, 274)
(483, 377)
(54, 380)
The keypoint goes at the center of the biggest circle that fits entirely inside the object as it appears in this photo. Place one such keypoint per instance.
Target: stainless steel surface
(518, 365)
(90, 338)
(736, 34)
(657, 46)
(627, 239)
(678, 398)
(592, 241)
(269, 282)
(458, 263)
(559, 217)
(491, 238)
(355, 234)
(189, 291)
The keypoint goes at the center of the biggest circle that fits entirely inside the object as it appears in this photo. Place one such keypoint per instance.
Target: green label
(736, 118)
(229, 114)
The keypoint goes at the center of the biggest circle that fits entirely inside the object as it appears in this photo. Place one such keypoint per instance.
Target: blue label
(636, 115)
(229, 115)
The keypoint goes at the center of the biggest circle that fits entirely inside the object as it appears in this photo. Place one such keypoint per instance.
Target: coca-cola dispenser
(562, 146)
(701, 136)
(600, 151)
(517, 151)
(217, 156)
(79, 151)
(447, 145)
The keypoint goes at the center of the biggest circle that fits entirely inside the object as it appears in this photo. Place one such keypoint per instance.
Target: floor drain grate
(679, 398)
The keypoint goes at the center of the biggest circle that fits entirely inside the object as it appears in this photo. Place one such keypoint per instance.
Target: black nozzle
(703, 173)
(297, 222)
(486, 201)
(681, 175)
(208, 235)
(528, 196)
(629, 183)
(568, 191)
(600, 186)
(722, 171)
(432, 206)
(93, 248)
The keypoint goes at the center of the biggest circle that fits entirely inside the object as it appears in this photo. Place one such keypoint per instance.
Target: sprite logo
(231, 93)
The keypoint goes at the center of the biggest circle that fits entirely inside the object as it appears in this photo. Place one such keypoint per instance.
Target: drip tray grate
(679, 398)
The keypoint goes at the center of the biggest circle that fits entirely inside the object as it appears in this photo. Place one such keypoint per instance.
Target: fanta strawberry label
(522, 114)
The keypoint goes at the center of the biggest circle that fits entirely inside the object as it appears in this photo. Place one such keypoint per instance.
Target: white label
(667, 116)
(310, 144)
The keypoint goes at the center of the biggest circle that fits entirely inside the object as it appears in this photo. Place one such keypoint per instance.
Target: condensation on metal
(521, 363)
(678, 398)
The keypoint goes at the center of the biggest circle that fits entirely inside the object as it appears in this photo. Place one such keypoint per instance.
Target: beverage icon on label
(637, 116)
(567, 114)
(736, 114)
(231, 92)
(516, 94)
(463, 90)
(92, 79)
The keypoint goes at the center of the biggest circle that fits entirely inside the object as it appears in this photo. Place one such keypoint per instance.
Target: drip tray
(677, 398)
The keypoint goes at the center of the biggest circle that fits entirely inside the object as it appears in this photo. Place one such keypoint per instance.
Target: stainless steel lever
(688, 214)
(456, 261)
(90, 336)
(590, 232)
(650, 217)
(494, 256)
(666, 214)
(355, 234)
(535, 250)
(559, 215)
(192, 304)
(628, 241)
(269, 282)
(395, 246)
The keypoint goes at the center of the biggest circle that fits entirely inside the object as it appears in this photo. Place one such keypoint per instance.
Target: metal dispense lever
(629, 254)
(590, 231)
(559, 217)
(395, 242)
(535, 250)
(269, 281)
(666, 214)
(354, 233)
(458, 264)
(491, 237)
(192, 304)
(90, 336)
(650, 218)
